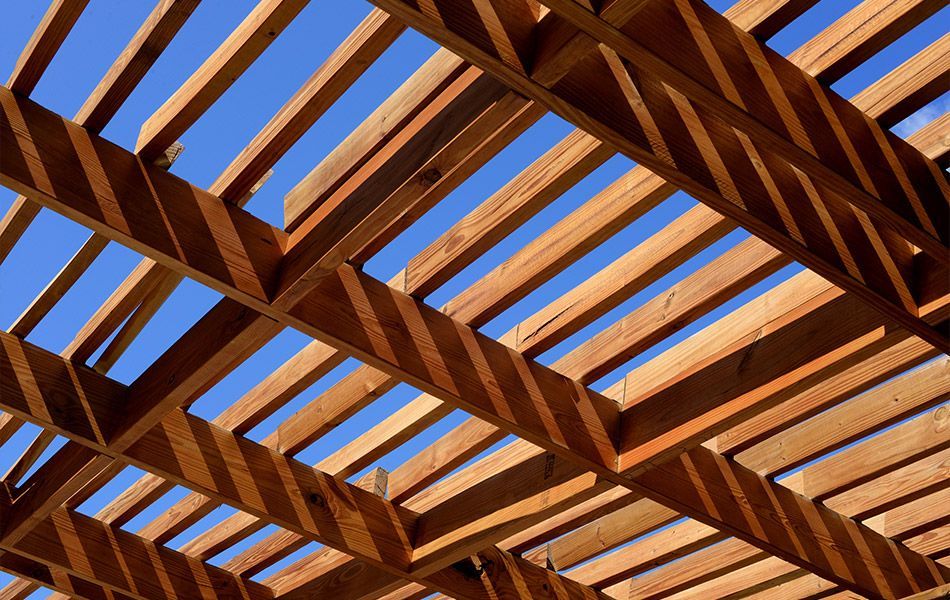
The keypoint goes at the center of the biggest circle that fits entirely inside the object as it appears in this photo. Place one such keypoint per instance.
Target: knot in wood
(430, 176)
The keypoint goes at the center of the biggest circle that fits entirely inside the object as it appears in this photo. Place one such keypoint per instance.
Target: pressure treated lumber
(122, 561)
(853, 209)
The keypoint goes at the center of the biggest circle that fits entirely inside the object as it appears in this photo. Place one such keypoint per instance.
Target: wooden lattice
(578, 506)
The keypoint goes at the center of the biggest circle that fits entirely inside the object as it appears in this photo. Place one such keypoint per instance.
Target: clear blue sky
(212, 143)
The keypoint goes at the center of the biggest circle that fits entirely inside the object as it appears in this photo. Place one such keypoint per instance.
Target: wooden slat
(57, 288)
(647, 262)
(605, 123)
(34, 575)
(424, 155)
(934, 139)
(28, 458)
(216, 74)
(860, 378)
(350, 60)
(393, 114)
(710, 562)
(897, 95)
(884, 405)
(859, 558)
(44, 43)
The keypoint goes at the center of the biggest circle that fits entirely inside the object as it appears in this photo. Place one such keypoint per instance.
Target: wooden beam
(75, 268)
(45, 41)
(624, 132)
(701, 481)
(693, 536)
(711, 37)
(276, 488)
(343, 67)
(34, 575)
(247, 42)
(795, 298)
(137, 568)
(217, 241)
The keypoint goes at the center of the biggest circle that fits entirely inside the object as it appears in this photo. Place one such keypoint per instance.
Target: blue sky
(214, 141)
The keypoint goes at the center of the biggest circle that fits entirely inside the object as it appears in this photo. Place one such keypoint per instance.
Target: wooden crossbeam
(334, 394)
(279, 489)
(105, 100)
(110, 557)
(750, 200)
(242, 260)
(882, 568)
(691, 536)
(794, 295)
(708, 37)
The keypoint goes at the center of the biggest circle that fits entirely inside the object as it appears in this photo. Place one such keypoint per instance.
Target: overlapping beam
(683, 129)
(376, 302)
(195, 453)
(517, 24)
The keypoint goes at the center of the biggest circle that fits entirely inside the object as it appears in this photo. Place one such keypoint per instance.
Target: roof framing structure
(796, 447)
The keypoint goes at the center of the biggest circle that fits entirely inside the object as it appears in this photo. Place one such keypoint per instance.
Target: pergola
(580, 505)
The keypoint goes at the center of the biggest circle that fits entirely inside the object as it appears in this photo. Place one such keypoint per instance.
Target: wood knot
(430, 176)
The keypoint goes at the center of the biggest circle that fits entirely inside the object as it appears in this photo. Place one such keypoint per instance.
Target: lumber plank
(49, 35)
(792, 110)
(858, 558)
(393, 114)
